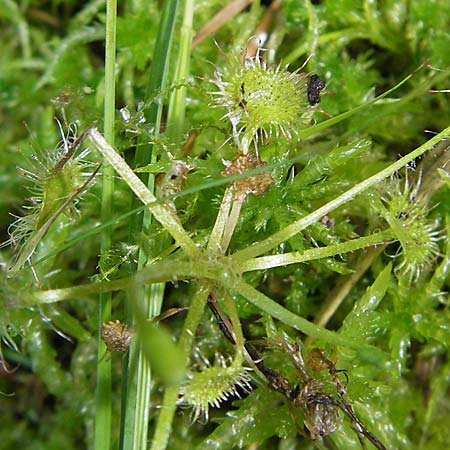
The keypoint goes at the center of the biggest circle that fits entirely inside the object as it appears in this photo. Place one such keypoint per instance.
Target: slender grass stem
(102, 433)
(177, 104)
(148, 300)
(164, 424)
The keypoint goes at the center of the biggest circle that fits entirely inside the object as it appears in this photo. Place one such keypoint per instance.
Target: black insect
(315, 85)
(243, 102)
(328, 221)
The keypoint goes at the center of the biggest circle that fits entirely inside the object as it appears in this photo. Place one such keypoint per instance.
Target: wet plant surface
(225, 226)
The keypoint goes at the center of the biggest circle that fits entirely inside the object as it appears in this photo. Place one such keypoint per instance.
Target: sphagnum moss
(355, 53)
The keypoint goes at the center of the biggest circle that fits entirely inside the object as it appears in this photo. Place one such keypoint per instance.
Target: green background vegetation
(52, 64)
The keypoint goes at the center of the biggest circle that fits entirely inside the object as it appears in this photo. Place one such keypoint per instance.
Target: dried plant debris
(254, 184)
(173, 180)
(117, 336)
(318, 400)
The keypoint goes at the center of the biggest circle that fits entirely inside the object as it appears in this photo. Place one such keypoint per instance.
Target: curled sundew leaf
(213, 385)
(435, 286)
(406, 212)
(262, 100)
(57, 181)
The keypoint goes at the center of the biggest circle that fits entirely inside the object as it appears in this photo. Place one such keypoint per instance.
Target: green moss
(390, 329)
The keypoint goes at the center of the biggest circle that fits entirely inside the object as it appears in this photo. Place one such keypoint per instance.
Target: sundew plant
(225, 224)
